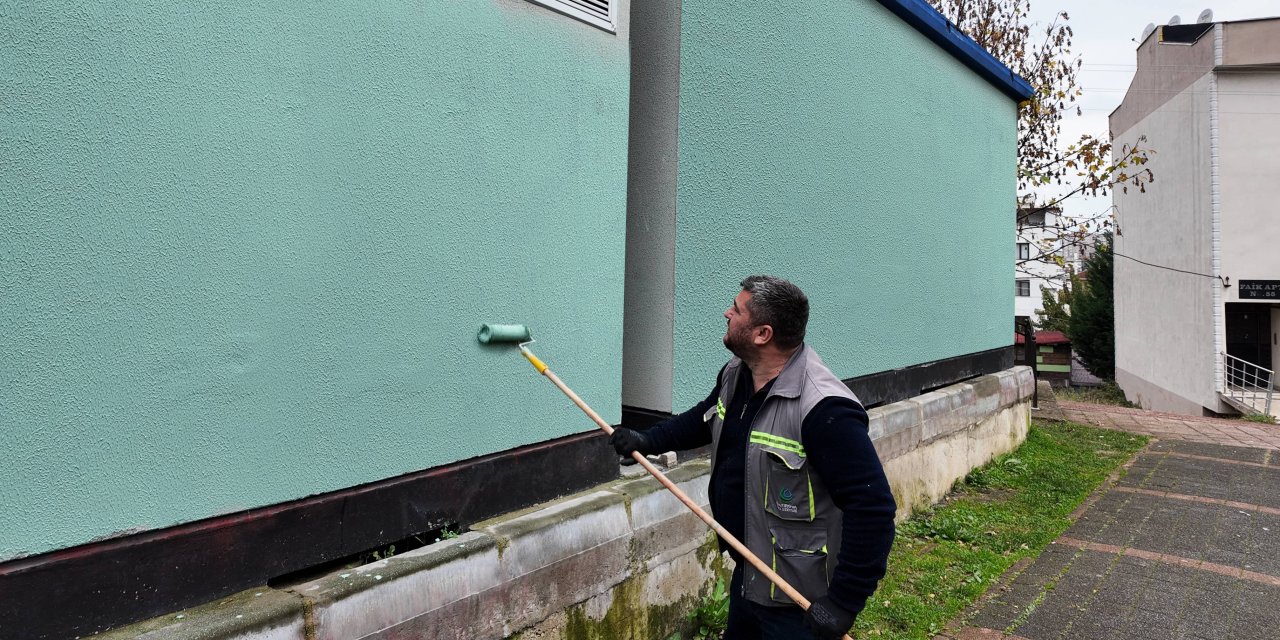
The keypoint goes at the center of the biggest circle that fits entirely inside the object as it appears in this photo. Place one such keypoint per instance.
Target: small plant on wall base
(1260, 417)
(1106, 393)
(711, 617)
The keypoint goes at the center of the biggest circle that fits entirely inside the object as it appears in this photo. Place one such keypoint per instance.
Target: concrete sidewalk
(1184, 545)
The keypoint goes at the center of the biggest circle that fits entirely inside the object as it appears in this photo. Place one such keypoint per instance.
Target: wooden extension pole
(693, 506)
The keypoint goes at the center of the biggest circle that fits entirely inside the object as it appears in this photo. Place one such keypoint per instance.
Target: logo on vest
(783, 505)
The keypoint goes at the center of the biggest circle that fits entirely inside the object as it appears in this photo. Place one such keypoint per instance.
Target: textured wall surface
(840, 148)
(1165, 352)
(244, 251)
(1249, 137)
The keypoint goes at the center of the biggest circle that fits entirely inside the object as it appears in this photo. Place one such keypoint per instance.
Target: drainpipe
(1215, 210)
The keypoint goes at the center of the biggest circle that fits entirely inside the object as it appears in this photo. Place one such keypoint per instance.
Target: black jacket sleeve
(685, 431)
(840, 449)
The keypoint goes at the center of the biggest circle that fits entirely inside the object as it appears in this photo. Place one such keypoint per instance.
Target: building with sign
(1196, 265)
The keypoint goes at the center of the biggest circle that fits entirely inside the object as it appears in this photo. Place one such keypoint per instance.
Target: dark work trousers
(750, 621)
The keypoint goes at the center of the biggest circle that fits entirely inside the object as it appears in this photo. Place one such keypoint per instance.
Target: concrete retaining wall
(626, 560)
(929, 442)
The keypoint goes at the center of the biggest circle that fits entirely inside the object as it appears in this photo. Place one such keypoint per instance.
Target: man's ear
(762, 335)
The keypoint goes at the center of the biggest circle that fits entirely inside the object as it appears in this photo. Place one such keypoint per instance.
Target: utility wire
(1247, 113)
(1177, 91)
(1160, 266)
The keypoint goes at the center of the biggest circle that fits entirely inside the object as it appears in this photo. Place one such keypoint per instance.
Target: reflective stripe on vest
(777, 442)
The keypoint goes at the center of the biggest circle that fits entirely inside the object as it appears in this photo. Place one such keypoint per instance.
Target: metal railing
(1247, 383)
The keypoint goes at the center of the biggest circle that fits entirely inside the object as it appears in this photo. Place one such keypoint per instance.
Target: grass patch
(1259, 417)
(1106, 393)
(1010, 509)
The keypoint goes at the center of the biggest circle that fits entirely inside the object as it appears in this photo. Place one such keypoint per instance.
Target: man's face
(738, 335)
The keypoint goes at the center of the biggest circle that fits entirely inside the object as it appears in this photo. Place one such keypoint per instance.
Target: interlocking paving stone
(1191, 538)
(1207, 479)
(1242, 454)
(997, 615)
(1055, 610)
(1041, 628)
(1264, 546)
(1112, 596)
(1150, 624)
(1148, 600)
(1091, 627)
(1114, 519)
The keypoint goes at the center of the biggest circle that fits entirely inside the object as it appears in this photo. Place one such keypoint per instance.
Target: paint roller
(496, 334)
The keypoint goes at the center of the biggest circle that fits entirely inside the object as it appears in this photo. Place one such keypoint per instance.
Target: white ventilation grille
(600, 13)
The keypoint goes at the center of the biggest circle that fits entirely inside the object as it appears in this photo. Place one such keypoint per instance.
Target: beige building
(1197, 267)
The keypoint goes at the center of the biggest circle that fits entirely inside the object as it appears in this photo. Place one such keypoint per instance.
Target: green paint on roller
(491, 333)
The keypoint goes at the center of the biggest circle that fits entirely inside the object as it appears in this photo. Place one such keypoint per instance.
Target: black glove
(625, 441)
(826, 620)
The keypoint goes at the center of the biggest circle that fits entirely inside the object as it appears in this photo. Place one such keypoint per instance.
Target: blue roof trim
(928, 21)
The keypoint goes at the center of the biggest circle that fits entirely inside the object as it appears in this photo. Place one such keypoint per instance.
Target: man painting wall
(794, 473)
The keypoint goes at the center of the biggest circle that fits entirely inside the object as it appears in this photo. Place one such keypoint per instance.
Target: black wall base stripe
(885, 387)
(888, 387)
(90, 588)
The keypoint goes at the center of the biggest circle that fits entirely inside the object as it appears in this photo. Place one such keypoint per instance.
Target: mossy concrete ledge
(441, 583)
(626, 560)
(665, 529)
(256, 614)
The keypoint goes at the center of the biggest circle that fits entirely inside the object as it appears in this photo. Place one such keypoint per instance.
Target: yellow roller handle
(737, 545)
(533, 360)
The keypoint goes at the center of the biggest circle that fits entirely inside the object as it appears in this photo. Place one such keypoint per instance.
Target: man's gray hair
(779, 304)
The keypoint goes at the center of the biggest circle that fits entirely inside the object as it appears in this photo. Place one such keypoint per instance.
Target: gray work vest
(791, 523)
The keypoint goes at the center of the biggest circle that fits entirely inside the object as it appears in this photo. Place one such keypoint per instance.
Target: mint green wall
(245, 249)
(838, 147)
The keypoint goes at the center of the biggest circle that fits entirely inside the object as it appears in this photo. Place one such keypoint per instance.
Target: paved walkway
(1184, 544)
(1167, 426)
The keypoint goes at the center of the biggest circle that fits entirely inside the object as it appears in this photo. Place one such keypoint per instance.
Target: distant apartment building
(1197, 272)
(1039, 229)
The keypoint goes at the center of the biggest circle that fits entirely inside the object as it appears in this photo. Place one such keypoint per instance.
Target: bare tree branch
(1044, 58)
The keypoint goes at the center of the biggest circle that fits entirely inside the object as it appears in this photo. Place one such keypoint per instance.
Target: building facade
(245, 252)
(748, 165)
(1196, 272)
(1035, 269)
(1049, 248)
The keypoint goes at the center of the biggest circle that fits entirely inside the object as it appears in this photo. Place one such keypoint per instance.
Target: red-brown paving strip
(978, 633)
(1182, 496)
(1222, 569)
(1192, 456)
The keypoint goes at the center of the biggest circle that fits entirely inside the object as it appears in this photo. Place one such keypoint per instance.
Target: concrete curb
(257, 614)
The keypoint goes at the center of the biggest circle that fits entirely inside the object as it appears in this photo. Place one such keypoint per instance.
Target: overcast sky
(1106, 34)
